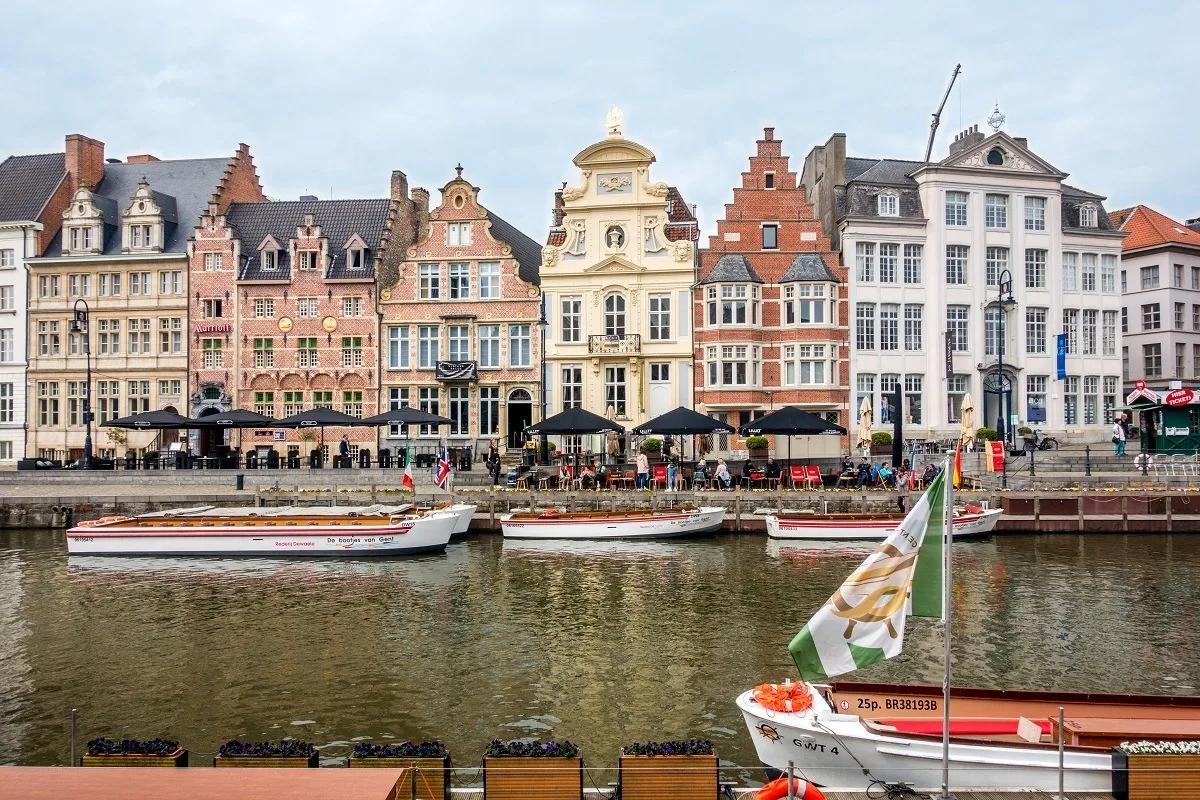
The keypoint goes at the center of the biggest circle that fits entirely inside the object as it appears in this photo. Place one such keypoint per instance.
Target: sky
(331, 97)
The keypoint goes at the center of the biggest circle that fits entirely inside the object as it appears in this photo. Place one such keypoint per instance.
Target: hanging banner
(1061, 340)
(949, 355)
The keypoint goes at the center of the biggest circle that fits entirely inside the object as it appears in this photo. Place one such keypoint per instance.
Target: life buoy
(801, 790)
(791, 697)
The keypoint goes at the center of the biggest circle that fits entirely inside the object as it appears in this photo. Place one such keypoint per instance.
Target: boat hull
(463, 514)
(404, 537)
(654, 526)
(833, 750)
(824, 528)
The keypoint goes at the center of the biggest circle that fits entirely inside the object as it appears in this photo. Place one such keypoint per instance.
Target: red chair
(815, 479)
(658, 476)
(797, 475)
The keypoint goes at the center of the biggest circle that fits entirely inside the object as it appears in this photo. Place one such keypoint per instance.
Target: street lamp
(543, 323)
(79, 325)
(1006, 301)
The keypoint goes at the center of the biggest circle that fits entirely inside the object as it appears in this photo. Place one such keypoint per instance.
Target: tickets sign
(1180, 397)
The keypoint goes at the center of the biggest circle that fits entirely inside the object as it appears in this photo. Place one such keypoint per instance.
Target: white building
(926, 245)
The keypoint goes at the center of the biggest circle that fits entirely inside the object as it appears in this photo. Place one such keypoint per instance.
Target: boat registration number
(83, 538)
(897, 704)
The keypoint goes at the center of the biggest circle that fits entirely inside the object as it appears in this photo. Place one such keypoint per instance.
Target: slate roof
(526, 251)
(808, 267)
(732, 268)
(1072, 199)
(867, 177)
(882, 170)
(339, 221)
(191, 182)
(1148, 228)
(27, 182)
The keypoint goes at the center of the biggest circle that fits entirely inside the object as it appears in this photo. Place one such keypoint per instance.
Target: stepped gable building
(122, 250)
(460, 325)
(34, 190)
(770, 308)
(283, 317)
(926, 246)
(617, 275)
(1160, 293)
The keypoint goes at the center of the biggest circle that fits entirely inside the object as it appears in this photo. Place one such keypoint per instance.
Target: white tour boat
(463, 512)
(287, 531)
(636, 524)
(969, 521)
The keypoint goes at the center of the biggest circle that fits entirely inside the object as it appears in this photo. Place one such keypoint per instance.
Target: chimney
(1022, 141)
(1194, 224)
(420, 200)
(399, 186)
(141, 158)
(769, 134)
(966, 140)
(308, 198)
(84, 161)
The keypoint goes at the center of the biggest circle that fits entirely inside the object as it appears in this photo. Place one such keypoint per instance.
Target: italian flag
(863, 622)
(407, 480)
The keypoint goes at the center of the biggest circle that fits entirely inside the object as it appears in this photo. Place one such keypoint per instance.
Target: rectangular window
(912, 263)
(489, 410)
(864, 326)
(139, 336)
(956, 327)
(212, 309)
(956, 389)
(7, 298)
(459, 410)
(992, 334)
(733, 309)
(614, 390)
(139, 283)
(1110, 398)
(864, 259)
(1195, 317)
(1196, 361)
(1124, 320)
(352, 354)
(264, 403)
(47, 404)
(811, 364)
(214, 357)
(459, 339)
(1035, 213)
(995, 262)
(572, 386)
(264, 308)
(8, 258)
(460, 282)
(398, 347)
(1179, 357)
(956, 208)
(812, 304)
(660, 317)
(352, 307)
(1108, 271)
(110, 284)
(1152, 360)
(914, 324)
(889, 257)
(913, 385)
(6, 345)
(789, 365)
(306, 308)
(1151, 317)
(1108, 334)
(489, 346)
(1087, 272)
(293, 403)
(352, 403)
(770, 237)
(49, 286)
(996, 210)
(1071, 329)
(1070, 272)
(489, 280)
(1149, 277)
(572, 320)
(1177, 273)
(427, 346)
(322, 399)
(48, 338)
(519, 354)
(956, 264)
(1180, 311)
(170, 282)
(1035, 396)
(866, 391)
(889, 326)
(264, 352)
(306, 352)
(1035, 269)
(1035, 330)
(212, 262)
(1071, 400)
(1195, 276)
(458, 234)
(1090, 316)
(6, 402)
(739, 365)
(1125, 363)
(428, 282)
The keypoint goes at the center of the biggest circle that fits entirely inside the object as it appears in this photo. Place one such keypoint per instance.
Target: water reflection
(601, 642)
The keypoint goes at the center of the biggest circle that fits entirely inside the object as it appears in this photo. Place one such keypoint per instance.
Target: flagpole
(947, 573)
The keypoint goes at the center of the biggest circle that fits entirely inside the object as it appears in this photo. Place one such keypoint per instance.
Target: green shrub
(757, 443)
(881, 438)
(651, 446)
(1024, 430)
(986, 434)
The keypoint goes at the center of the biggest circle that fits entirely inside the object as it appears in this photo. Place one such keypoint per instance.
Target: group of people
(1120, 433)
(867, 474)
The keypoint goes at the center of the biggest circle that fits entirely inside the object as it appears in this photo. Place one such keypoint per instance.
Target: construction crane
(937, 115)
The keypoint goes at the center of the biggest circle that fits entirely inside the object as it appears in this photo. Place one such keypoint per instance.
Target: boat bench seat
(962, 727)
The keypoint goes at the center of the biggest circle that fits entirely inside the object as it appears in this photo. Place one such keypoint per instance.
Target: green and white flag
(863, 622)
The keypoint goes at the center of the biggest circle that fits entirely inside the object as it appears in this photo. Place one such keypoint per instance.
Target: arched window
(520, 396)
(614, 315)
(1087, 216)
(889, 204)
(995, 157)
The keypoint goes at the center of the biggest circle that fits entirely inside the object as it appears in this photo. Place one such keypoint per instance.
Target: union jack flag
(442, 476)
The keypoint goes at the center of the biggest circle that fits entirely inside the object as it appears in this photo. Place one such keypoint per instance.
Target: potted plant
(758, 446)
(881, 443)
(684, 770)
(986, 434)
(521, 770)
(1153, 770)
(429, 762)
(285, 753)
(652, 448)
(134, 753)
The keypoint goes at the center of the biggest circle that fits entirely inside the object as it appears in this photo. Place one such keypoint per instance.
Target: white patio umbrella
(967, 435)
(864, 423)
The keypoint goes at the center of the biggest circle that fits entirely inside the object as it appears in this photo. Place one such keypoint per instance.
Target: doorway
(211, 438)
(660, 389)
(520, 417)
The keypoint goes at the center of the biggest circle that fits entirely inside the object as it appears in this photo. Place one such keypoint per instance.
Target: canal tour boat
(286, 531)
(634, 524)
(463, 512)
(969, 521)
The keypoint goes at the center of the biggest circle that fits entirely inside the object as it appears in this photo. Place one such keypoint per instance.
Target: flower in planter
(286, 748)
(689, 747)
(152, 747)
(552, 749)
(1162, 748)
(432, 749)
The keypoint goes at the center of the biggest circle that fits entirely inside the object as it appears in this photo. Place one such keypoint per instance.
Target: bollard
(73, 712)
(1061, 737)
(1032, 464)
(1145, 464)
(240, 483)
(791, 773)
(1087, 460)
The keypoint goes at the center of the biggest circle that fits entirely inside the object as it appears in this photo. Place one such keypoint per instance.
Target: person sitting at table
(772, 473)
(587, 477)
(602, 476)
(864, 472)
(700, 475)
(564, 477)
(722, 474)
(904, 465)
(846, 470)
(886, 475)
(929, 474)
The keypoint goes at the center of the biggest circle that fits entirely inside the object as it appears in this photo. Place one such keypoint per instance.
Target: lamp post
(543, 323)
(79, 325)
(1006, 301)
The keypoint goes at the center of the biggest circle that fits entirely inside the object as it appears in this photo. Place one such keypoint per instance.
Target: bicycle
(1040, 441)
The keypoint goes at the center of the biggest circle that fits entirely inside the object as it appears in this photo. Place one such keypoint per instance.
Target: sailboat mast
(947, 575)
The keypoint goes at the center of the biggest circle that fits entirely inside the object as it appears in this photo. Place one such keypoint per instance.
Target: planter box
(519, 778)
(759, 453)
(1147, 776)
(289, 762)
(177, 759)
(433, 778)
(668, 777)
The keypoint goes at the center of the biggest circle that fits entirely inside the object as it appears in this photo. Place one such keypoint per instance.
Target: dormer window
(995, 157)
(308, 259)
(83, 225)
(889, 204)
(270, 260)
(355, 259)
(81, 238)
(144, 217)
(1087, 216)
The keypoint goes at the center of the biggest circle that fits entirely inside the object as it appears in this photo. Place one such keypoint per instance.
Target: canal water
(602, 644)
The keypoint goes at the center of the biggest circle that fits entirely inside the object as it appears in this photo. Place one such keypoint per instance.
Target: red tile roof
(1148, 228)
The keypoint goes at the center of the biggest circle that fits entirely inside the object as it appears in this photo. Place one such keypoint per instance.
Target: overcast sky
(333, 96)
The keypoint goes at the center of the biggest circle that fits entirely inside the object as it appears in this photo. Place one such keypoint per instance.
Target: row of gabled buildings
(822, 287)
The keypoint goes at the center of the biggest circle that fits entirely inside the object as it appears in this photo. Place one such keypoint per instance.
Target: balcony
(457, 371)
(615, 345)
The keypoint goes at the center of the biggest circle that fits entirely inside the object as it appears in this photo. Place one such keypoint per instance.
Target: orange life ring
(801, 790)
(793, 697)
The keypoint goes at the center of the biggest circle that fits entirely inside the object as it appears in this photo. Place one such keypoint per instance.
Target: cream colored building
(617, 274)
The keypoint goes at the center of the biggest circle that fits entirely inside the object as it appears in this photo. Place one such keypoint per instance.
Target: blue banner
(1062, 355)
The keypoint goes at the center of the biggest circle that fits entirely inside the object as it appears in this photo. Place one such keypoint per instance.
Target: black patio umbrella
(573, 421)
(237, 418)
(318, 418)
(682, 422)
(405, 416)
(790, 421)
(151, 420)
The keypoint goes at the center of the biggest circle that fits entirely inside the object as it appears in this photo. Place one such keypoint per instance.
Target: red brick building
(769, 308)
(283, 317)
(460, 311)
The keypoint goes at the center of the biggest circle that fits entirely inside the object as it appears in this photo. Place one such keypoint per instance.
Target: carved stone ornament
(614, 183)
(658, 189)
(571, 193)
(683, 251)
(551, 256)
(1011, 161)
(652, 242)
(576, 243)
(614, 237)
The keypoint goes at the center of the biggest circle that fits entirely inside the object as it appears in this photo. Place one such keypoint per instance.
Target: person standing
(673, 475)
(344, 450)
(643, 470)
(1118, 437)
